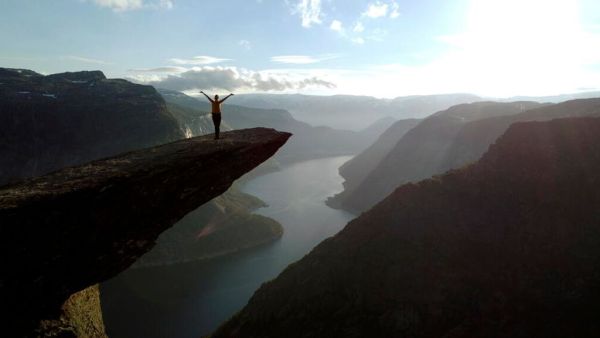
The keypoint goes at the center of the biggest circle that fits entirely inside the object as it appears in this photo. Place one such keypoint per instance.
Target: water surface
(192, 299)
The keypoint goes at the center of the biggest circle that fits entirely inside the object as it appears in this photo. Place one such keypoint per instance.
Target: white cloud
(358, 40)
(245, 44)
(336, 25)
(168, 4)
(395, 10)
(310, 12)
(158, 70)
(85, 60)
(539, 53)
(232, 79)
(199, 60)
(376, 10)
(379, 9)
(302, 59)
(128, 5)
(358, 28)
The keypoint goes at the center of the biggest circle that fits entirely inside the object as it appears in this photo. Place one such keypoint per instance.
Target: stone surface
(73, 228)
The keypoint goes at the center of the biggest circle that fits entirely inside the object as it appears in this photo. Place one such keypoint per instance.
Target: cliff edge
(73, 228)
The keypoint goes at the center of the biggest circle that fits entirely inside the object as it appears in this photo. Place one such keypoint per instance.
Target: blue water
(192, 299)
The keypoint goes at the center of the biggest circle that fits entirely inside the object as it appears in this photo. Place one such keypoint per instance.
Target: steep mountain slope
(356, 169)
(475, 137)
(556, 98)
(78, 226)
(308, 141)
(420, 151)
(50, 122)
(352, 112)
(507, 247)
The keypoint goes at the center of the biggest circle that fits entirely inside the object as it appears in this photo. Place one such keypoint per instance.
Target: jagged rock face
(50, 122)
(78, 226)
(507, 247)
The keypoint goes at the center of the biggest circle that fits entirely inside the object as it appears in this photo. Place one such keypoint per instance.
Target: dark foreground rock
(507, 247)
(73, 228)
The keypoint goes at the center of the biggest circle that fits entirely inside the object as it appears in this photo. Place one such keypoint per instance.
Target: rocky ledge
(73, 228)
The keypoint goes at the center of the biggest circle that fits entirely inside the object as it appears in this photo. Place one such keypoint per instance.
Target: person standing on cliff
(216, 111)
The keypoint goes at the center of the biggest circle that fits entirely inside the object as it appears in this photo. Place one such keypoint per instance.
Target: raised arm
(208, 97)
(225, 98)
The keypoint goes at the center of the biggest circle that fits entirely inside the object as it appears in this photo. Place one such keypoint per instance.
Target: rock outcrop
(506, 247)
(73, 228)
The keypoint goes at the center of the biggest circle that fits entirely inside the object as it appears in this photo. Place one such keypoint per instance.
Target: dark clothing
(216, 117)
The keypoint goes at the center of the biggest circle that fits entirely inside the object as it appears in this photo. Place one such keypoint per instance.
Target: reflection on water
(192, 299)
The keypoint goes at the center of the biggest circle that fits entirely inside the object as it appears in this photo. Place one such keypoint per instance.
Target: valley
(192, 299)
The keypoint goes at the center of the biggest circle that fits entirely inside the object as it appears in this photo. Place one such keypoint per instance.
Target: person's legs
(217, 122)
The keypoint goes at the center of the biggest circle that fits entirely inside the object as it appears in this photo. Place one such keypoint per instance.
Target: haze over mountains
(307, 142)
(443, 141)
(357, 112)
(352, 112)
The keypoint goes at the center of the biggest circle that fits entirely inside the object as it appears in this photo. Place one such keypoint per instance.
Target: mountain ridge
(505, 247)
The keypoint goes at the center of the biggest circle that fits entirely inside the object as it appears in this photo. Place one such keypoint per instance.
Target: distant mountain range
(307, 141)
(418, 154)
(506, 247)
(352, 112)
(355, 170)
(357, 112)
(446, 140)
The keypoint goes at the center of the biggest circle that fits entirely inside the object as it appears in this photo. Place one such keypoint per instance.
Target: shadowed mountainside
(506, 247)
(81, 225)
(356, 169)
(50, 122)
(475, 137)
(419, 153)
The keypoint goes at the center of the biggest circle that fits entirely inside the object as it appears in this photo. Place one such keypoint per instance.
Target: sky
(382, 48)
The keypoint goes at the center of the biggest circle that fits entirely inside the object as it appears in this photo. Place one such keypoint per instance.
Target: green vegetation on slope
(224, 225)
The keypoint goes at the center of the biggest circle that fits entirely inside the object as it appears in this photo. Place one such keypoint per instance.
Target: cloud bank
(199, 60)
(228, 79)
(302, 59)
(129, 5)
(309, 11)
